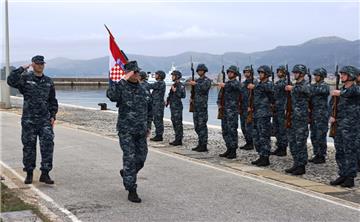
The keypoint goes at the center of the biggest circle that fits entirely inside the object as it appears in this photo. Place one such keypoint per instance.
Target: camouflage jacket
(158, 92)
(39, 94)
(348, 104)
(319, 99)
(202, 88)
(245, 94)
(280, 95)
(231, 96)
(135, 108)
(174, 98)
(300, 96)
(263, 99)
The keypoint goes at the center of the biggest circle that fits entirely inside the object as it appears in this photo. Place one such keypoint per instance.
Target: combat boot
(291, 169)
(157, 138)
(29, 177)
(248, 146)
(176, 143)
(232, 154)
(338, 181)
(263, 161)
(358, 166)
(202, 148)
(133, 196)
(318, 159)
(349, 182)
(225, 154)
(196, 148)
(45, 178)
(300, 170)
(279, 152)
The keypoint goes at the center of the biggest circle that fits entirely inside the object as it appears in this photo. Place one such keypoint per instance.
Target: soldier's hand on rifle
(26, 66)
(249, 109)
(289, 88)
(251, 86)
(166, 103)
(221, 85)
(173, 88)
(332, 120)
(148, 132)
(335, 93)
(192, 82)
(52, 122)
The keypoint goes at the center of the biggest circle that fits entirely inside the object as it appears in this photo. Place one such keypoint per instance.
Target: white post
(5, 89)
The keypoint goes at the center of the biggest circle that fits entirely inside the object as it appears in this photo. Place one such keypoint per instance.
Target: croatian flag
(117, 60)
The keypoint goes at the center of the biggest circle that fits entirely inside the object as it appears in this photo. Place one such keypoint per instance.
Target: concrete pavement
(86, 172)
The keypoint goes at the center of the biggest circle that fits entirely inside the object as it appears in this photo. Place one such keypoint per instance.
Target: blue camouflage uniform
(230, 120)
(134, 121)
(40, 105)
(345, 145)
(299, 132)
(319, 117)
(146, 85)
(263, 98)
(200, 114)
(246, 128)
(358, 130)
(176, 108)
(158, 93)
(279, 117)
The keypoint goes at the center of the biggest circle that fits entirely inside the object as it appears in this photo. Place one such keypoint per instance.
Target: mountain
(320, 52)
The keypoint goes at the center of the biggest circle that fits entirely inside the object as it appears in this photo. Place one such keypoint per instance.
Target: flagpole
(5, 89)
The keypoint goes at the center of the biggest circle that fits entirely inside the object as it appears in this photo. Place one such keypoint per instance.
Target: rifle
(192, 96)
(221, 95)
(250, 116)
(240, 111)
(310, 104)
(273, 82)
(288, 102)
(335, 103)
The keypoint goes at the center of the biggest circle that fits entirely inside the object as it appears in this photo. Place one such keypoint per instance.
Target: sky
(75, 29)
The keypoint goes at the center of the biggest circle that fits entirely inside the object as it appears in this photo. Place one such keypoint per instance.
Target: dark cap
(132, 66)
(38, 59)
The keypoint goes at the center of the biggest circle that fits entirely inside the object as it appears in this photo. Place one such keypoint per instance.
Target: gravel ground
(104, 123)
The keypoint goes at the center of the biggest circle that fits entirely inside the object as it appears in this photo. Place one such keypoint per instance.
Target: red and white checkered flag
(117, 60)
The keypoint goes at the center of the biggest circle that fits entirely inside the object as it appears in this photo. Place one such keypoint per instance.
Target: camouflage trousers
(261, 135)
(176, 119)
(158, 119)
(297, 136)
(200, 123)
(280, 130)
(135, 150)
(246, 128)
(229, 126)
(318, 133)
(31, 129)
(346, 150)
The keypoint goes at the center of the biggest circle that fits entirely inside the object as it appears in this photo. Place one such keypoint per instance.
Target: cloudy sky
(74, 29)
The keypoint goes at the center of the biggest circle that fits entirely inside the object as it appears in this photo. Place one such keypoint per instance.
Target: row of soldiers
(265, 107)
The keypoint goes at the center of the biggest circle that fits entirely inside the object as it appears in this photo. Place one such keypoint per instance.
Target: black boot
(232, 154)
(196, 148)
(300, 170)
(225, 154)
(279, 152)
(349, 182)
(157, 138)
(29, 177)
(176, 143)
(338, 181)
(202, 148)
(133, 196)
(291, 169)
(45, 178)
(248, 146)
(264, 161)
(318, 160)
(255, 162)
